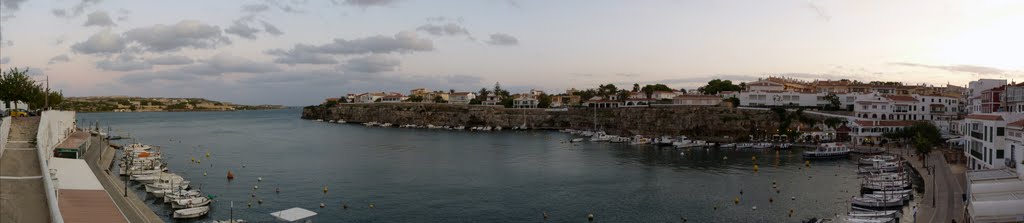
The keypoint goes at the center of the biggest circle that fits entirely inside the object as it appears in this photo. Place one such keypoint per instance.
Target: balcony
(977, 155)
(977, 135)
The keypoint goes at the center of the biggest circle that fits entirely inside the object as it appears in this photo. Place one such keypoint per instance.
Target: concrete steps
(22, 195)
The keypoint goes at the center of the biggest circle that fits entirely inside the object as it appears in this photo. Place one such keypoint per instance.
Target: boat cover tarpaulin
(293, 214)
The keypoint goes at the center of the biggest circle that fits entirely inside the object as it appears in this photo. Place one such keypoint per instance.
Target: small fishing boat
(191, 212)
(828, 150)
(763, 145)
(869, 220)
(744, 145)
(179, 194)
(576, 140)
(873, 214)
(727, 145)
(890, 185)
(230, 221)
(905, 197)
(784, 145)
(190, 202)
(150, 188)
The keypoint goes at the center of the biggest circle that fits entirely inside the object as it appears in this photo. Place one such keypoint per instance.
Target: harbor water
(423, 175)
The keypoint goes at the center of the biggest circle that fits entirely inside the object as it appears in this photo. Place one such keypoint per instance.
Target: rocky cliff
(701, 122)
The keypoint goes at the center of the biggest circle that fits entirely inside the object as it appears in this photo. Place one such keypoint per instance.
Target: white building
(790, 98)
(461, 97)
(870, 131)
(697, 100)
(986, 146)
(906, 107)
(974, 89)
(524, 101)
(1014, 98)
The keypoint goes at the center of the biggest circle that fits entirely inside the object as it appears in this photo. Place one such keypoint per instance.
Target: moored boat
(828, 150)
(191, 212)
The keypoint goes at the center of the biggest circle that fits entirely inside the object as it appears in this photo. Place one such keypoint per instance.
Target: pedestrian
(915, 213)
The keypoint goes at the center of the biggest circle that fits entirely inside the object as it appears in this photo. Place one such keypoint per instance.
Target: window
(999, 154)
(1000, 131)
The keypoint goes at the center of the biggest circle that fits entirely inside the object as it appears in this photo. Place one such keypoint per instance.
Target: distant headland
(152, 104)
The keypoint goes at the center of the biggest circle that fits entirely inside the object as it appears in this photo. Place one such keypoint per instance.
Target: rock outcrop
(695, 121)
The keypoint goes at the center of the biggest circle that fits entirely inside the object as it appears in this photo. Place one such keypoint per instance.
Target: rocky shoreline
(710, 123)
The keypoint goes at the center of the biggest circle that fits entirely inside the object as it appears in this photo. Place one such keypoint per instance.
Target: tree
(483, 92)
(543, 101)
(415, 98)
(718, 85)
(439, 99)
(636, 87)
(18, 86)
(833, 102)
(506, 102)
(923, 146)
(475, 101)
(650, 89)
(833, 122)
(605, 90)
(622, 94)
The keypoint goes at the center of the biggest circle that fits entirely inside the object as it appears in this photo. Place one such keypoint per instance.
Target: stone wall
(693, 121)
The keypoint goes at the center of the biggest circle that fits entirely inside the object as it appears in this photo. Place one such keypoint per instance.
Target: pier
(100, 157)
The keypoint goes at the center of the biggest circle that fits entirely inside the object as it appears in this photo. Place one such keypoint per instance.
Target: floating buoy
(736, 200)
(344, 206)
(590, 217)
(371, 206)
(684, 219)
(715, 208)
(256, 187)
(741, 191)
(260, 201)
(231, 176)
(200, 161)
(204, 173)
(253, 194)
(193, 159)
(807, 163)
(725, 157)
(545, 215)
(755, 167)
(790, 212)
(249, 204)
(259, 179)
(325, 189)
(207, 154)
(322, 205)
(792, 198)
(753, 158)
(753, 208)
(278, 190)
(778, 191)
(770, 200)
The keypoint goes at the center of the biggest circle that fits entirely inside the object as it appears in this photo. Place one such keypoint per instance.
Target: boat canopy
(293, 214)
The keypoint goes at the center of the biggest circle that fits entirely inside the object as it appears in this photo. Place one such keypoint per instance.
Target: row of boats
(429, 126)
(677, 142)
(885, 189)
(141, 164)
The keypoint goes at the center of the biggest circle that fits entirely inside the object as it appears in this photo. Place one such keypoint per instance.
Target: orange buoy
(231, 176)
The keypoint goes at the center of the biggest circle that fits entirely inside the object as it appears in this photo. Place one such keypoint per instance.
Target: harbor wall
(54, 127)
(705, 122)
(5, 131)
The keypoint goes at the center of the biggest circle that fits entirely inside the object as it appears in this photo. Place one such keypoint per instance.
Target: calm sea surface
(420, 175)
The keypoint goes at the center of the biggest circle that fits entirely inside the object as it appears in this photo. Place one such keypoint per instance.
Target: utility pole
(46, 98)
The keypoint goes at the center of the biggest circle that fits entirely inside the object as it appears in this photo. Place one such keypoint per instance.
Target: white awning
(293, 214)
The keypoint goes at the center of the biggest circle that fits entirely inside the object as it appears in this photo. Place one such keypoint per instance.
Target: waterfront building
(974, 92)
(524, 101)
(601, 102)
(870, 131)
(558, 101)
(876, 106)
(765, 85)
(789, 98)
(395, 98)
(461, 97)
(638, 102)
(696, 100)
(986, 146)
(491, 99)
(419, 92)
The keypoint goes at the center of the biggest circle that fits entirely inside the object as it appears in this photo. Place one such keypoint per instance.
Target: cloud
(366, 3)
(301, 54)
(255, 8)
(957, 68)
(5, 60)
(270, 28)
(184, 34)
(243, 30)
(170, 60)
(371, 64)
(502, 39)
(59, 12)
(226, 63)
(403, 42)
(103, 42)
(124, 62)
(99, 18)
(285, 6)
(59, 59)
(450, 29)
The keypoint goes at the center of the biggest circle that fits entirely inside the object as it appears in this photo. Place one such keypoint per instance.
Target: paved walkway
(99, 157)
(943, 201)
(22, 193)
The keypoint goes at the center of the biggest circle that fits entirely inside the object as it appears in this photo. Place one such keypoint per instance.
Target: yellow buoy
(755, 167)
(204, 173)
(371, 206)
(199, 161)
(736, 200)
(807, 163)
(754, 158)
(207, 154)
(325, 189)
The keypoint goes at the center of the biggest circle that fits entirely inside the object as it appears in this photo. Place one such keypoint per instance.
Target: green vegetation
(718, 85)
(16, 85)
(650, 89)
(735, 101)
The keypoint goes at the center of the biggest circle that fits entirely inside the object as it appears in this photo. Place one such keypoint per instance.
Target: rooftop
(889, 123)
(985, 117)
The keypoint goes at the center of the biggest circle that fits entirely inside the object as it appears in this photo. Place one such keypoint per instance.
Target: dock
(100, 156)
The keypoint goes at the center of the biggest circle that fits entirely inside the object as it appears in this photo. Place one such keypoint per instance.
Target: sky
(298, 52)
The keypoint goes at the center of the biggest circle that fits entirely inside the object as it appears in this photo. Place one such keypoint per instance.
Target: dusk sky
(297, 52)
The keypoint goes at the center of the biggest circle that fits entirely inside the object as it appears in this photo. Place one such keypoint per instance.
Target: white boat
(784, 145)
(640, 140)
(727, 145)
(876, 159)
(576, 140)
(163, 186)
(320, 120)
(152, 178)
(332, 121)
(137, 147)
(124, 172)
(877, 203)
(763, 145)
(868, 220)
(460, 127)
(191, 212)
(600, 136)
(904, 191)
(744, 145)
(230, 221)
(893, 185)
(619, 139)
(179, 194)
(190, 202)
(587, 133)
(341, 121)
(873, 214)
(905, 197)
(828, 150)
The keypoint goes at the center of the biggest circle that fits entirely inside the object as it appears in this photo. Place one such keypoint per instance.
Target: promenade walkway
(943, 197)
(100, 156)
(22, 193)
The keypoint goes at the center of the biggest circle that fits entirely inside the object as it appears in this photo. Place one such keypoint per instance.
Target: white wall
(5, 131)
(21, 105)
(54, 127)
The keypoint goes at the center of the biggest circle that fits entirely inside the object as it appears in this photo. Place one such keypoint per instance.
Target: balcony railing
(976, 154)
(977, 135)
